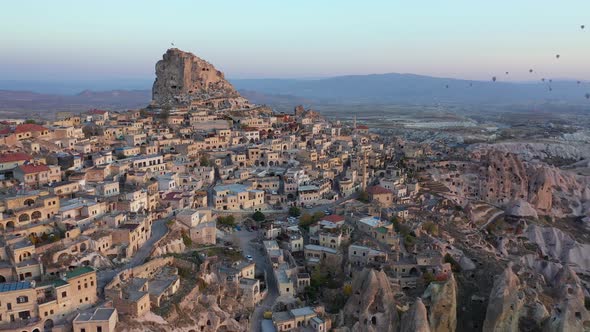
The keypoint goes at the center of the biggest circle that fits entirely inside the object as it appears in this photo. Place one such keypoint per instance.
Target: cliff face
(569, 314)
(442, 297)
(371, 307)
(506, 303)
(504, 178)
(183, 79)
(416, 319)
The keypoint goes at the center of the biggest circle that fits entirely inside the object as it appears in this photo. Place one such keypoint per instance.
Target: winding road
(159, 229)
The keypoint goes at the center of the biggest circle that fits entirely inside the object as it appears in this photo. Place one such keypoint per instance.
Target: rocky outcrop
(569, 314)
(442, 300)
(505, 303)
(371, 307)
(416, 318)
(172, 247)
(183, 79)
(504, 179)
(560, 246)
(521, 208)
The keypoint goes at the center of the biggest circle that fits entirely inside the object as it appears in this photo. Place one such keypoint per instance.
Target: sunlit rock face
(184, 79)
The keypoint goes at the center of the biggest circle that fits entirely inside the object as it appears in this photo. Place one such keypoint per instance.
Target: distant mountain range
(401, 89)
(415, 89)
(33, 101)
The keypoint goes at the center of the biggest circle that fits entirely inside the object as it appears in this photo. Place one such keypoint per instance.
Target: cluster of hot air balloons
(557, 56)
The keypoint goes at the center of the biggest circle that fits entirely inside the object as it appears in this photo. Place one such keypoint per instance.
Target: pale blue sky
(473, 39)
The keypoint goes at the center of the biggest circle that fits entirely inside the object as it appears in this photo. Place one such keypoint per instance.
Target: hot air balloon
(494, 78)
(581, 26)
(557, 56)
(588, 96)
(579, 82)
(447, 86)
(507, 73)
(542, 80)
(550, 81)
(530, 70)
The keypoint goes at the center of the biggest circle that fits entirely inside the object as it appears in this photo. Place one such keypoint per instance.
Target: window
(99, 329)
(22, 299)
(64, 294)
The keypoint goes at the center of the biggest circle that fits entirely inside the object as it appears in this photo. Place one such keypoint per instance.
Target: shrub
(363, 197)
(229, 221)
(258, 216)
(186, 239)
(294, 211)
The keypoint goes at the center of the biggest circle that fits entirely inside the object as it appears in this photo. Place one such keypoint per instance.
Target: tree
(428, 278)
(186, 239)
(363, 197)
(294, 211)
(431, 228)
(204, 161)
(317, 216)
(164, 115)
(258, 216)
(305, 220)
(227, 221)
(30, 121)
(347, 290)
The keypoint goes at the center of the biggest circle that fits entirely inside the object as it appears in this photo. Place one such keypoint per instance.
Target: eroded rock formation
(415, 319)
(183, 79)
(505, 303)
(442, 299)
(371, 307)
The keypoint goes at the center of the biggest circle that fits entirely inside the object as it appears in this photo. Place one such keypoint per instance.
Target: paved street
(244, 239)
(158, 230)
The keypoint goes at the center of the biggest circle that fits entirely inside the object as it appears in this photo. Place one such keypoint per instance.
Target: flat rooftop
(14, 286)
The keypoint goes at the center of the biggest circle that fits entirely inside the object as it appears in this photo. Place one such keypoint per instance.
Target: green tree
(186, 239)
(294, 211)
(204, 161)
(431, 228)
(317, 216)
(409, 240)
(428, 278)
(227, 221)
(30, 121)
(164, 115)
(258, 216)
(305, 220)
(363, 197)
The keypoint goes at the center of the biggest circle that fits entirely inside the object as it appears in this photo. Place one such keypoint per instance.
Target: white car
(249, 258)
